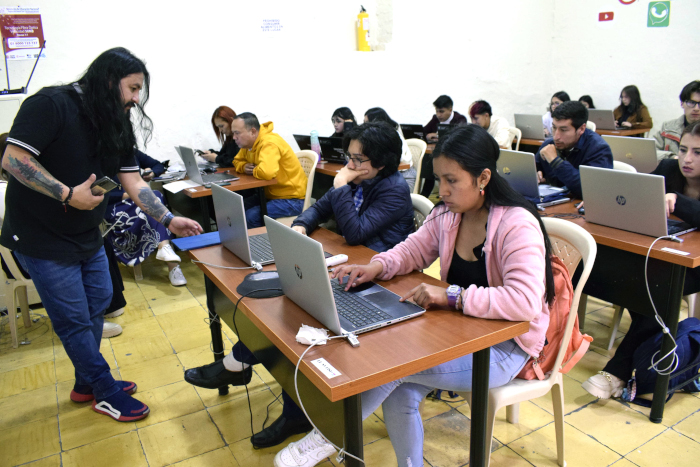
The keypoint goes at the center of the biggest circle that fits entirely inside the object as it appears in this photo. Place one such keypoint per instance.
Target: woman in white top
(557, 99)
(377, 114)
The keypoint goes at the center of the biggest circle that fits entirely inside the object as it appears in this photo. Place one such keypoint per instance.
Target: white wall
(513, 53)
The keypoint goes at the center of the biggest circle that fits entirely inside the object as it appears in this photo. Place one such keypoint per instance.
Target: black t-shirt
(465, 273)
(52, 127)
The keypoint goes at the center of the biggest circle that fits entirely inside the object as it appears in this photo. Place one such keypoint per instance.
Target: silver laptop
(603, 119)
(640, 153)
(233, 229)
(190, 161)
(520, 170)
(530, 125)
(628, 201)
(304, 278)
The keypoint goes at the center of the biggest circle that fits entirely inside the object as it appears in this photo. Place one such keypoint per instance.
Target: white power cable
(341, 452)
(673, 365)
(255, 265)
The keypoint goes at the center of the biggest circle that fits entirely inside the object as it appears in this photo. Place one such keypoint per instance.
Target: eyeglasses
(690, 104)
(355, 160)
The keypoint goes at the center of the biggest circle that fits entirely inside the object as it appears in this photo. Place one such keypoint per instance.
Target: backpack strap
(578, 355)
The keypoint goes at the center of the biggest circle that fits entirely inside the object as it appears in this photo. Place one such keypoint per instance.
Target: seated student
(632, 113)
(682, 181)
(480, 113)
(443, 114)
(557, 99)
(221, 122)
(559, 158)
(587, 101)
(134, 234)
(494, 249)
(265, 155)
(668, 137)
(343, 120)
(373, 207)
(377, 114)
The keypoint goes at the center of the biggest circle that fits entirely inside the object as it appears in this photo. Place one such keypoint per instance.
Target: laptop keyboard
(260, 249)
(218, 177)
(675, 227)
(355, 309)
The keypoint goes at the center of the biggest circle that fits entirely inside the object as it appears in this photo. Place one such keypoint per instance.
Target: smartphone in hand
(102, 186)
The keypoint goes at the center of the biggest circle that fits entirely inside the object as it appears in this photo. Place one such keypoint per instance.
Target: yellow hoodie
(274, 158)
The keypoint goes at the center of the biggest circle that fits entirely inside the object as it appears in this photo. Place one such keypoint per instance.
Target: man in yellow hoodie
(265, 155)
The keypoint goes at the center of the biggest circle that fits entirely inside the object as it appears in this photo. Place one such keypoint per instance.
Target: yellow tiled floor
(165, 333)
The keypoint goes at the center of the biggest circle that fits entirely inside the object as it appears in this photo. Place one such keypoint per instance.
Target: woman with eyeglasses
(342, 119)
(557, 99)
(377, 114)
(632, 113)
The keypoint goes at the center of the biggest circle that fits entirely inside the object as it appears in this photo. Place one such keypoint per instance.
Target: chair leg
(513, 413)
(138, 273)
(558, 406)
(617, 317)
(23, 297)
(490, 421)
(12, 317)
(582, 311)
(693, 305)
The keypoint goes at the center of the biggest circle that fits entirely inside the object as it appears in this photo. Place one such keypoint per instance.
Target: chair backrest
(308, 160)
(623, 166)
(417, 147)
(572, 244)
(12, 265)
(517, 134)
(590, 125)
(421, 208)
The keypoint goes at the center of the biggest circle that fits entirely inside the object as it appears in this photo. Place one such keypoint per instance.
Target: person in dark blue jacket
(571, 146)
(372, 206)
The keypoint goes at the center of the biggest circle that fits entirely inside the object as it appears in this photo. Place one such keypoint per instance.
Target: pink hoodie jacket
(515, 267)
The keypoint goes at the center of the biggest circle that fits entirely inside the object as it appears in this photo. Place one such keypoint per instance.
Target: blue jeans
(275, 208)
(75, 295)
(400, 399)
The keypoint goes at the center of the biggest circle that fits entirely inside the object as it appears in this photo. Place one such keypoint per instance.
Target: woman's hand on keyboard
(356, 273)
(426, 295)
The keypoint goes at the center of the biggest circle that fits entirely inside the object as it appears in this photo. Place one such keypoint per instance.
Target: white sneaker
(311, 450)
(166, 253)
(604, 385)
(115, 313)
(111, 329)
(177, 278)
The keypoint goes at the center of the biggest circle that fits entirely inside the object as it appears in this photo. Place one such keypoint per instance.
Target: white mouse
(308, 335)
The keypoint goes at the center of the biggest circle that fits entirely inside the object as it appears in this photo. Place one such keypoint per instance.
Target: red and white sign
(22, 33)
(627, 2)
(606, 16)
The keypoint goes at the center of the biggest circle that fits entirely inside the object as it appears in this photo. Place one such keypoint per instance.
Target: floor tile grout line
(649, 440)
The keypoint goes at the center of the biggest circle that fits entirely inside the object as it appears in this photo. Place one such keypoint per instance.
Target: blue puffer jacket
(384, 220)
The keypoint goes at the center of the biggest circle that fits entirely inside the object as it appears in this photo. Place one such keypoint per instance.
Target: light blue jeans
(400, 399)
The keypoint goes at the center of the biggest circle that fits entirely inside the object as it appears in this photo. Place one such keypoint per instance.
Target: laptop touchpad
(389, 302)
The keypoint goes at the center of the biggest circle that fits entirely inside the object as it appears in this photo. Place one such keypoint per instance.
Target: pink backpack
(558, 314)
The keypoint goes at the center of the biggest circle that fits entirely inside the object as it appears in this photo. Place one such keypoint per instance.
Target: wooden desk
(195, 203)
(618, 277)
(332, 168)
(268, 328)
(531, 142)
(625, 132)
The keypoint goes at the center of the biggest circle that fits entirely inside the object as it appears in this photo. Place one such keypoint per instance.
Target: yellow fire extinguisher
(363, 30)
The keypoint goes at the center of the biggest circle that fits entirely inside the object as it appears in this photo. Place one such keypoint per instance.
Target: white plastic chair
(517, 134)
(572, 244)
(623, 166)
(418, 148)
(590, 125)
(19, 287)
(421, 208)
(308, 160)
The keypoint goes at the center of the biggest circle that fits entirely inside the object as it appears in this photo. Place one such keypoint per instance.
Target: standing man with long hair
(62, 140)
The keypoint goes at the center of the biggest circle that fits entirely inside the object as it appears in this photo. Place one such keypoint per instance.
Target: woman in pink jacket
(494, 250)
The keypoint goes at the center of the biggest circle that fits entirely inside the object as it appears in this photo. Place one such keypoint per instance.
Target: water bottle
(315, 145)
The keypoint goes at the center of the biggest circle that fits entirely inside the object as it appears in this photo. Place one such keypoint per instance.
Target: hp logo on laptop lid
(621, 200)
(297, 269)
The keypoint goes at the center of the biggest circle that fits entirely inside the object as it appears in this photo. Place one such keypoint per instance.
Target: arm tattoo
(151, 204)
(33, 175)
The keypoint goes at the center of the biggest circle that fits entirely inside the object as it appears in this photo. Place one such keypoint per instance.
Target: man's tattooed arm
(150, 204)
(27, 170)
